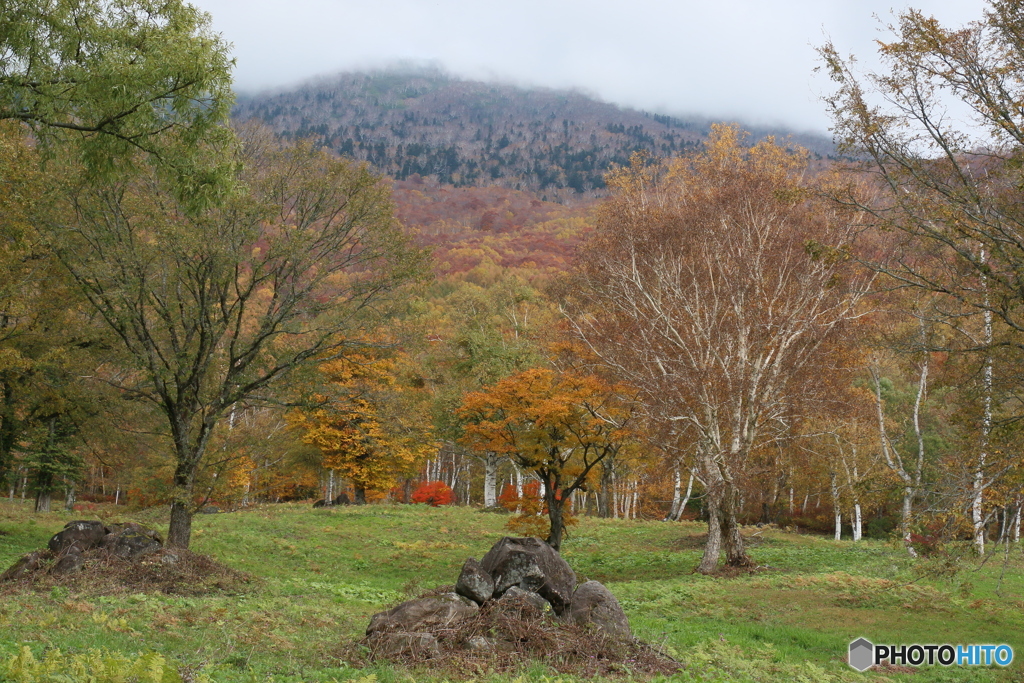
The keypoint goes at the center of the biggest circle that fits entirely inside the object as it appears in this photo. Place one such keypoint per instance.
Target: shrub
(434, 493)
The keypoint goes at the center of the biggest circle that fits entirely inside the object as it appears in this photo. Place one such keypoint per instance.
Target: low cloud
(744, 59)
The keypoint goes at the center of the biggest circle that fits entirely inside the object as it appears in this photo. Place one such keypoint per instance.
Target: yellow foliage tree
(371, 424)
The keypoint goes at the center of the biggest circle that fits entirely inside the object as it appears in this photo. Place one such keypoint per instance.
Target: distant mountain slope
(466, 133)
(477, 232)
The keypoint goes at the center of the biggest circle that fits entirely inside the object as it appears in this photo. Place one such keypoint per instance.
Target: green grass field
(320, 574)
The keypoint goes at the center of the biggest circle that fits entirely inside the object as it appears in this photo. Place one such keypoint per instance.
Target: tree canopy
(215, 307)
(116, 77)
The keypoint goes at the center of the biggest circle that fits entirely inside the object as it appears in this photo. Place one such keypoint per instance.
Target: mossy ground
(320, 574)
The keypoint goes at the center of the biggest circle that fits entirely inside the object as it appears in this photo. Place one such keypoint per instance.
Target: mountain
(425, 123)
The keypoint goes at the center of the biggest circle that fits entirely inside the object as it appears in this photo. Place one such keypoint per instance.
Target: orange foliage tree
(558, 425)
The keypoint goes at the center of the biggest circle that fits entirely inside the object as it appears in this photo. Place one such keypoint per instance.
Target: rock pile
(95, 558)
(67, 549)
(521, 577)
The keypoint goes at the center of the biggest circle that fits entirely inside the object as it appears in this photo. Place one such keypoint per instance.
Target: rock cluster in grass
(67, 550)
(93, 558)
(521, 589)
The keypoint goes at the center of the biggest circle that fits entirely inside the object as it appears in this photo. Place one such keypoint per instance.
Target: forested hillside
(558, 144)
(480, 231)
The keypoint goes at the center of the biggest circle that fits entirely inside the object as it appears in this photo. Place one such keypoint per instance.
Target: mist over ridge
(415, 120)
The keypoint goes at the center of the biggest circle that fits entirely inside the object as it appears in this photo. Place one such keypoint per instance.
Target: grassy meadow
(318, 575)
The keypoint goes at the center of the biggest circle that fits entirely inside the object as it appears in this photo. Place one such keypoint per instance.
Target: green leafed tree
(118, 76)
(216, 307)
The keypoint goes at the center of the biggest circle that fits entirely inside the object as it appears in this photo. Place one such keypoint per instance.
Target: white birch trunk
(677, 495)
(491, 480)
(686, 498)
(835, 506)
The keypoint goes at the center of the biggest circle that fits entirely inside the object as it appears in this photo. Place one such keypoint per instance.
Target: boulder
(22, 568)
(320, 503)
(533, 565)
(83, 534)
(395, 643)
(415, 615)
(119, 527)
(474, 583)
(518, 597)
(131, 541)
(169, 557)
(69, 563)
(342, 499)
(592, 603)
(484, 644)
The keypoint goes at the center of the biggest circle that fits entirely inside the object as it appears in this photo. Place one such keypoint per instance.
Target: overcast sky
(747, 59)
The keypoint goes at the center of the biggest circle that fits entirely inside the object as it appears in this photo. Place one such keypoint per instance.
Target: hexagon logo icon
(862, 654)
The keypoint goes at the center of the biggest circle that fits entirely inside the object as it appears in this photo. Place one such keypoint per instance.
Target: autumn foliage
(433, 493)
(556, 425)
(531, 518)
(370, 426)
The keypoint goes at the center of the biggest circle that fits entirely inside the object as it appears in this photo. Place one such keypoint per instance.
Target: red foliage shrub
(434, 493)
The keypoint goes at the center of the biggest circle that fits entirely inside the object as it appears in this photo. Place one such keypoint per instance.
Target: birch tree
(715, 284)
(941, 129)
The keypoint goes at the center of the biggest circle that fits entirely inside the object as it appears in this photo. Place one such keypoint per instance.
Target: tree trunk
(677, 494)
(180, 532)
(359, 494)
(735, 552)
(8, 434)
(681, 508)
(686, 498)
(43, 500)
(857, 523)
(713, 546)
(835, 506)
(615, 496)
(977, 512)
(604, 497)
(490, 480)
(908, 503)
(69, 499)
(555, 513)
